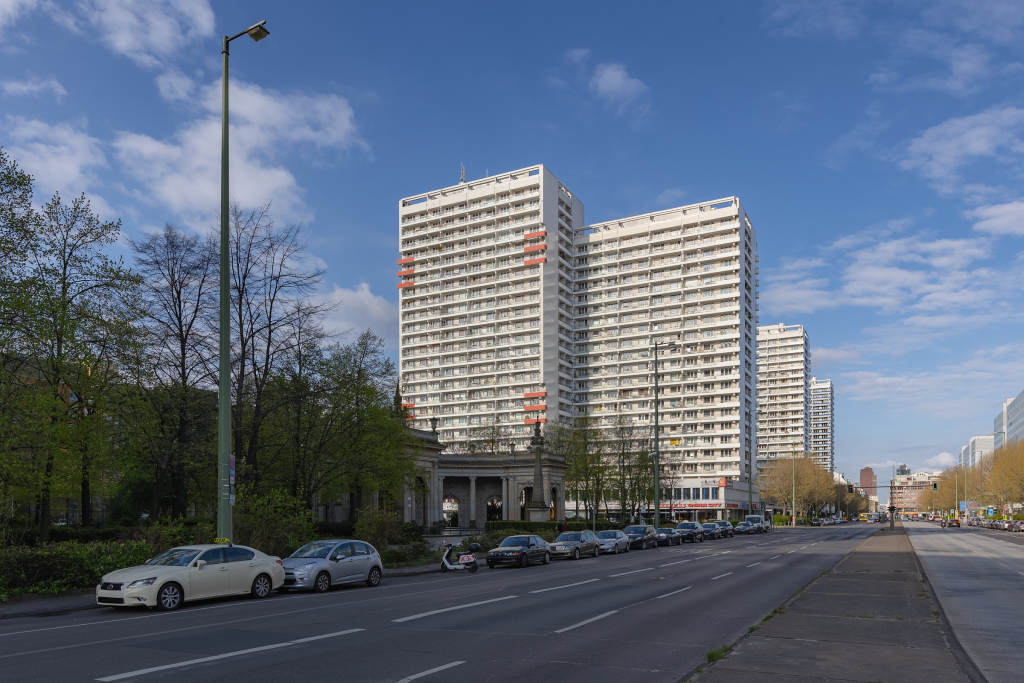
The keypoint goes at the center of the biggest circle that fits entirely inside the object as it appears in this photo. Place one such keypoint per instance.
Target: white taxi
(190, 573)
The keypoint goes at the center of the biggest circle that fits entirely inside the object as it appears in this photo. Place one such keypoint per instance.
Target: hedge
(58, 567)
(602, 524)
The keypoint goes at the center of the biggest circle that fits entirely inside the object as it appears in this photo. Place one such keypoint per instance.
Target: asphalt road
(977, 576)
(642, 616)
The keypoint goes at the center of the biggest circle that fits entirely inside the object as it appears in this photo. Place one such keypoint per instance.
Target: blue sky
(878, 147)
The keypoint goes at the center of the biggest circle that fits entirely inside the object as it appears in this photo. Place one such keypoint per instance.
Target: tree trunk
(86, 498)
(44, 502)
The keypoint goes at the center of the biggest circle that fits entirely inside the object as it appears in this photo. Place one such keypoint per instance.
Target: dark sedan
(642, 537)
(725, 527)
(743, 529)
(690, 531)
(575, 544)
(519, 551)
(712, 531)
(669, 537)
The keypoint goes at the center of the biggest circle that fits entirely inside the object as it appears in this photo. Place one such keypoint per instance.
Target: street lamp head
(259, 31)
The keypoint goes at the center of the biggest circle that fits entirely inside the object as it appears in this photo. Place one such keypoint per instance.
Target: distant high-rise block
(783, 392)
(823, 443)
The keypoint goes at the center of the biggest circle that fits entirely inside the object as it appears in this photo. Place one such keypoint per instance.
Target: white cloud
(183, 173)
(1000, 219)
(618, 91)
(861, 138)
(11, 10)
(670, 196)
(941, 152)
(823, 356)
(175, 86)
(841, 19)
(149, 33)
(34, 86)
(941, 461)
(577, 56)
(61, 157)
(360, 309)
(968, 67)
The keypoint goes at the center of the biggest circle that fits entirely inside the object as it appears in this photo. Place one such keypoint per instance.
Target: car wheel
(260, 586)
(169, 598)
(322, 583)
(547, 557)
(597, 550)
(576, 554)
(616, 551)
(524, 561)
(373, 579)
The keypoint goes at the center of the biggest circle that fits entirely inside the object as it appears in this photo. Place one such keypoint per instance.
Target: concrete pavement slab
(838, 583)
(846, 630)
(876, 606)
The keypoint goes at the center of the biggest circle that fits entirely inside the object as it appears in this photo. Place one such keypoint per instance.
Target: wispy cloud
(842, 19)
(862, 138)
(34, 86)
(1000, 219)
(619, 92)
(672, 195)
(359, 309)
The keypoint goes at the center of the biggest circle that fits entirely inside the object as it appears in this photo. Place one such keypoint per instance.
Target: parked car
(690, 531)
(189, 573)
(575, 544)
(758, 522)
(519, 551)
(725, 527)
(712, 531)
(743, 528)
(669, 537)
(613, 541)
(641, 536)
(319, 565)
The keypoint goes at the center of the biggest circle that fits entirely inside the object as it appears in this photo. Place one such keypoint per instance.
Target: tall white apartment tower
(487, 304)
(783, 392)
(686, 275)
(823, 444)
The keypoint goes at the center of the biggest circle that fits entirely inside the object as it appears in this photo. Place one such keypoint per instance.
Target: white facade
(976, 449)
(823, 444)
(512, 311)
(1015, 420)
(486, 304)
(686, 275)
(783, 392)
(999, 425)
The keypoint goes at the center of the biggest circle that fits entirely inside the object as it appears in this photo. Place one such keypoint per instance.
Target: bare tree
(179, 293)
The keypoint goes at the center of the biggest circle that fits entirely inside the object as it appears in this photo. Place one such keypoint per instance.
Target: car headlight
(141, 582)
(305, 567)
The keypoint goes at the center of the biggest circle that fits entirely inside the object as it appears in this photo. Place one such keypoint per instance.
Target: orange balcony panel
(403, 273)
(406, 260)
(535, 247)
(534, 394)
(531, 261)
(408, 405)
(410, 417)
(539, 419)
(405, 284)
(539, 406)
(532, 235)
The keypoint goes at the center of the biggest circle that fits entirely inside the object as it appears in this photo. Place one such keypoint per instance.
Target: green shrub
(58, 567)
(333, 529)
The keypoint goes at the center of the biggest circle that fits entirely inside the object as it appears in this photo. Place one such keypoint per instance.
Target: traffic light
(935, 486)
(849, 487)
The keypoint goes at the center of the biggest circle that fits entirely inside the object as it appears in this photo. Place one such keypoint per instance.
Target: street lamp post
(657, 436)
(225, 466)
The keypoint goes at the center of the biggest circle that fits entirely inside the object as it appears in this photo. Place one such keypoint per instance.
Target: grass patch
(922, 595)
(898, 570)
(716, 654)
(752, 629)
(935, 613)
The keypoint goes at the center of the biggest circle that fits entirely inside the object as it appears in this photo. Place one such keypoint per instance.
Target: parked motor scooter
(465, 561)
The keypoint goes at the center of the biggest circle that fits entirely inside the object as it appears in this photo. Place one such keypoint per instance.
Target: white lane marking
(772, 558)
(568, 585)
(1001, 564)
(451, 609)
(753, 565)
(427, 673)
(716, 578)
(673, 592)
(802, 547)
(791, 552)
(635, 571)
(672, 563)
(584, 623)
(237, 653)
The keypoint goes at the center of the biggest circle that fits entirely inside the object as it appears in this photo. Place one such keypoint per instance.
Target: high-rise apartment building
(869, 480)
(512, 312)
(1004, 420)
(823, 443)
(783, 392)
(1015, 420)
(976, 449)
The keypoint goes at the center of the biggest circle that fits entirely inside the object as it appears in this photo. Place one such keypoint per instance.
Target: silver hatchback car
(321, 564)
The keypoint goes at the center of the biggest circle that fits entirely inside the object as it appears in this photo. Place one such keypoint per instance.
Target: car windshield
(664, 531)
(722, 523)
(316, 549)
(515, 541)
(636, 530)
(568, 537)
(709, 526)
(754, 519)
(607, 534)
(175, 557)
(686, 525)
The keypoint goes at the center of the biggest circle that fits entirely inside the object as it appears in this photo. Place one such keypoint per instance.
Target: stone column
(440, 498)
(504, 498)
(472, 500)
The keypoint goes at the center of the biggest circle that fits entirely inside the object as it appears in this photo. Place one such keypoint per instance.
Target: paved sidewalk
(870, 619)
